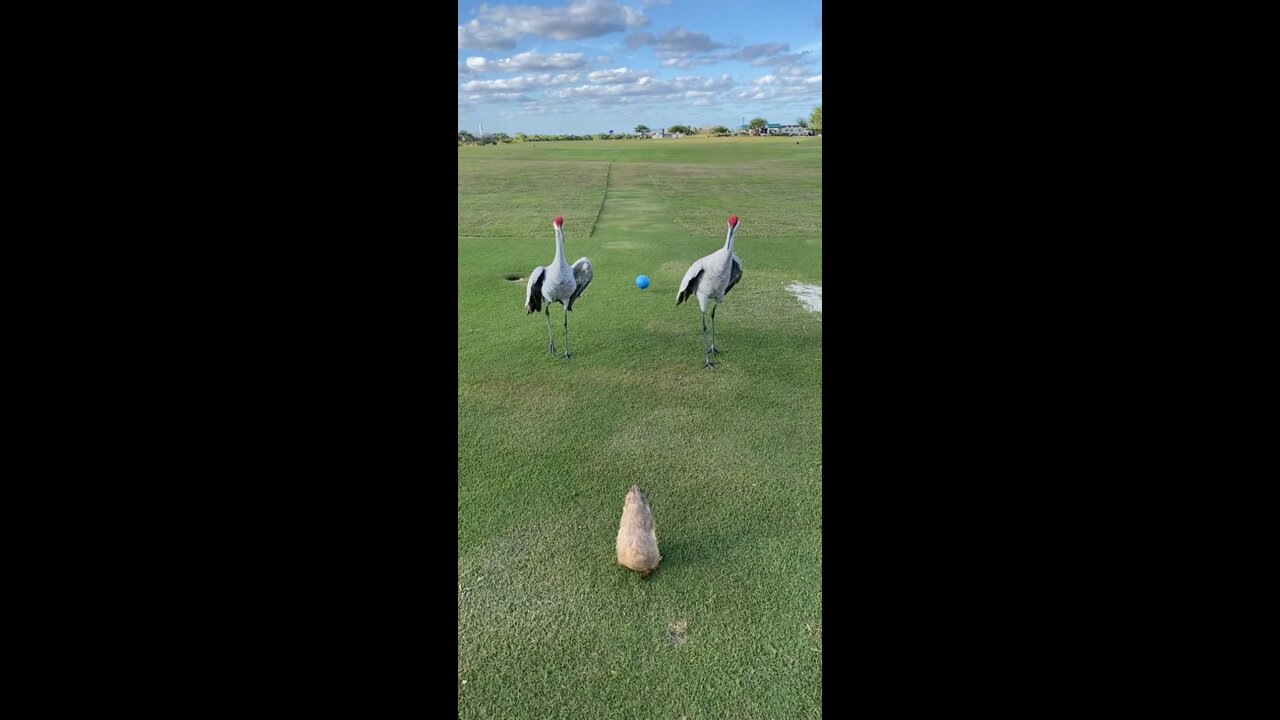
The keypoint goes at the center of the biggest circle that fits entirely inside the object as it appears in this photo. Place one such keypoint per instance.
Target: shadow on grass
(704, 551)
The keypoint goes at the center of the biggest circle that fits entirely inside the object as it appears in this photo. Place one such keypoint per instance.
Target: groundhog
(637, 541)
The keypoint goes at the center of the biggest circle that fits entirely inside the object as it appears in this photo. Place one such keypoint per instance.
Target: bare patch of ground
(676, 631)
(809, 295)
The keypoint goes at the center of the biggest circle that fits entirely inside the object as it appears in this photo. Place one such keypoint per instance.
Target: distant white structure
(810, 295)
(789, 130)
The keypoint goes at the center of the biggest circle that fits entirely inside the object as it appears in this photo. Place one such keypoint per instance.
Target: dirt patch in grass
(814, 633)
(676, 631)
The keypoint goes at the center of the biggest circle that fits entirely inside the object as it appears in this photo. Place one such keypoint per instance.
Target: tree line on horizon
(813, 122)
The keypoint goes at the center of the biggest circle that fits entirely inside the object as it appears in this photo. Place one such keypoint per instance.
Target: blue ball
(642, 282)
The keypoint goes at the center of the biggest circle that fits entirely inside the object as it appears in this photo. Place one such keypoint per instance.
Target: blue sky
(589, 66)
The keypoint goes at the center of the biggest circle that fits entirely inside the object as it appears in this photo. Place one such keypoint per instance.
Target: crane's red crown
(733, 220)
(559, 220)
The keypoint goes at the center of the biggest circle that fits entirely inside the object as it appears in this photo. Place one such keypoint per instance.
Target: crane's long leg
(551, 346)
(714, 351)
(566, 332)
(704, 340)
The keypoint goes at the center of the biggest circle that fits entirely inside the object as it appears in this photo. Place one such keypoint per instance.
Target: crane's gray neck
(559, 245)
(728, 243)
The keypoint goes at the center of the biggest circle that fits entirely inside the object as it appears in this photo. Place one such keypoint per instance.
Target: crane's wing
(735, 274)
(582, 276)
(689, 284)
(533, 293)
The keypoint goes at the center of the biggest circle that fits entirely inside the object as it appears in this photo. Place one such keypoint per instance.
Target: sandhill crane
(557, 282)
(711, 278)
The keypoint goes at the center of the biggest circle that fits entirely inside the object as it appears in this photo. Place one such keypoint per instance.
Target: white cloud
(687, 49)
(531, 110)
(679, 40)
(792, 76)
(634, 18)
(499, 97)
(475, 36)
(617, 75)
(724, 82)
(754, 52)
(648, 87)
(528, 62)
(787, 60)
(635, 40)
(518, 84)
(778, 87)
(687, 60)
(498, 27)
(786, 81)
(651, 3)
(643, 86)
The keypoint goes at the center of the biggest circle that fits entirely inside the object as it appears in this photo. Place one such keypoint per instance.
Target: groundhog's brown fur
(637, 541)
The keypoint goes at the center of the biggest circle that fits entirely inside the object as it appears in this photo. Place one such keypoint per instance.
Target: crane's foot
(551, 350)
(714, 351)
(566, 356)
(709, 364)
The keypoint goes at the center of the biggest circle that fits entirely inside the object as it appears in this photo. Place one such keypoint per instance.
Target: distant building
(773, 129)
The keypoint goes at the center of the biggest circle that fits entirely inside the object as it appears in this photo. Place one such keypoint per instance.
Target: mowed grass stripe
(497, 198)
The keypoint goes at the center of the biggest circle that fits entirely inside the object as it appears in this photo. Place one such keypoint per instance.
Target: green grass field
(730, 625)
